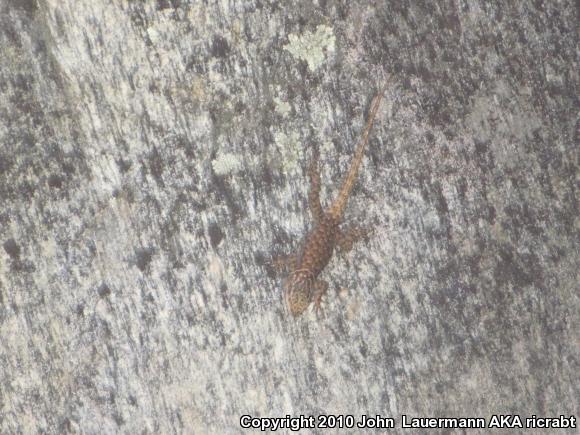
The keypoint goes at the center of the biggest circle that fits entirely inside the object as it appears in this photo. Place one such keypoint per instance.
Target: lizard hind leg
(314, 194)
(284, 263)
(348, 237)
(320, 289)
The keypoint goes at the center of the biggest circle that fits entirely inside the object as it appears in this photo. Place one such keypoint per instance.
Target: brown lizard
(302, 286)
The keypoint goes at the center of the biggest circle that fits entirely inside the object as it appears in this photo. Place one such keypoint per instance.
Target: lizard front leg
(348, 237)
(320, 289)
(284, 263)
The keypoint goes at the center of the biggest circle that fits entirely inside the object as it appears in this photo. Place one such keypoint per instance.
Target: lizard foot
(283, 263)
(320, 289)
(348, 237)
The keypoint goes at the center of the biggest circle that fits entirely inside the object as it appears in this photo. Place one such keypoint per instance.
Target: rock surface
(152, 159)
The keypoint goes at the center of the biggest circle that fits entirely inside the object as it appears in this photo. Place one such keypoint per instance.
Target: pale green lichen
(282, 107)
(326, 148)
(154, 35)
(310, 46)
(226, 163)
(289, 146)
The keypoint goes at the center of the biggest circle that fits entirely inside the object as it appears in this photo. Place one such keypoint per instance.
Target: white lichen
(154, 35)
(289, 146)
(310, 46)
(282, 107)
(226, 163)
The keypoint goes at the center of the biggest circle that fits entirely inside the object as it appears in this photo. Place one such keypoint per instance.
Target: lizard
(303, 285)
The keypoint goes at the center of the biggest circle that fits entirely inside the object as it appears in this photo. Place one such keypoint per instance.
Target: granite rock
(153, 158)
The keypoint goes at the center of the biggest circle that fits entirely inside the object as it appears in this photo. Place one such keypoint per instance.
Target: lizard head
(298, 291)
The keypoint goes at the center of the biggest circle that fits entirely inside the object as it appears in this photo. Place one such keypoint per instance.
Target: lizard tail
(336, 210)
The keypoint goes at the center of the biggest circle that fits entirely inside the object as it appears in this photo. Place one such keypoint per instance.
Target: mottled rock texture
(153, 158)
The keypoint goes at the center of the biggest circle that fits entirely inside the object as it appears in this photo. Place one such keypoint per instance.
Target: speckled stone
(153, 157)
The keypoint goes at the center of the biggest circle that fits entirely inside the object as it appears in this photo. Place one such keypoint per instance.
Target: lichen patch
(310, 46)
(226, 163)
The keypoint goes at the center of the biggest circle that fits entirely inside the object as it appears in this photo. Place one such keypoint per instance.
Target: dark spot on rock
(444, 273)
(23, 266)
(26, 190)
(106, 329)
(259, 258)
(219, 47)
(491, 214)
(124, 165)
(240, 107)
(224, 294)
(12, 249)
(80, 310)
(215, 234)
(128, 194)
(156, 167)
(167, 4)
(144, 257)
(198, 206)
(92, 248)
(23, 82)
(5, 164)
(40, 48)
(267, 177)
(363, 349)
(509, 270)
(29, 6)
(132, 400)
(66, 426)
(424, 72)
(223, 192)
(453, 23)
(14, 39)
(462, 188)
(68, 168)
(441, 204)
(28, 140)
(260, 261)
(118, 419)
(154, 88)
(557, 254)
(481, 147)
(148, 297)
(473, 262)
(104, 290)
(55, 181)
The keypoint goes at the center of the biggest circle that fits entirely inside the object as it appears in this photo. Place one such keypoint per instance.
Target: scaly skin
(302, 287)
